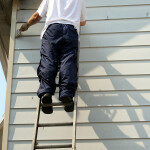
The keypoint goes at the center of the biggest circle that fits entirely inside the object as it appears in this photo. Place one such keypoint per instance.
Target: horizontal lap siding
(93, 40)
(101, 13)
(84, 131)
(85, 115)
(89, 99)
(91, 69)
(94, 144)
(106, 26)
(92, 54)
(35, 3)
(114, 82)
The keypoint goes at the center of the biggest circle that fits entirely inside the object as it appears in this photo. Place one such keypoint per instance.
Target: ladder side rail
(36, 127)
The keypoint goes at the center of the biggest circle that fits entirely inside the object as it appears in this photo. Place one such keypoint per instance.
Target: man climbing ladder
(59, 49)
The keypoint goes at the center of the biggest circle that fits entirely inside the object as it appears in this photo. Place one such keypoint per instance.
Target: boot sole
(49, 109)
(69, 101)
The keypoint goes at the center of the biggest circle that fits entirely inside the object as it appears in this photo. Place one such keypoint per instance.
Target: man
(59, 49)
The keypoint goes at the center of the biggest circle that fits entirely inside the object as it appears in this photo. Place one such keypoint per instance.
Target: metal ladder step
(54, 124)
(57, 85)
(54, 146)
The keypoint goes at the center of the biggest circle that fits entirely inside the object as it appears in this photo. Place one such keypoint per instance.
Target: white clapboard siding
(111, 83)
(91, 69)
(103, 26)
(92, 131)
(27, 100)
(114, 80)
(84, 131)
(101, 13)
(24, 56)
(85, 115)
(93, 40)
(114, 83)
(26, 85)
(89, 99)
(34, 4)
(18, 116)
(142, 144)
(26, 145)
(56, 133)
(113, 130)
(91, 54)
(116, 98)
(15, 145)
(106, 3)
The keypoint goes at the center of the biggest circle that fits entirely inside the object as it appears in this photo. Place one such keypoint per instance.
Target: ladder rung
(55, 104)
(54, 124)
(54, 146)
(57, 85)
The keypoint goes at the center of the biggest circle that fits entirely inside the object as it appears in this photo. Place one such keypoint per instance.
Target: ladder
(73, 123)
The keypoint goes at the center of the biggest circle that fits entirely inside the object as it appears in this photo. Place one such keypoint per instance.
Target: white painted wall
(114, 82)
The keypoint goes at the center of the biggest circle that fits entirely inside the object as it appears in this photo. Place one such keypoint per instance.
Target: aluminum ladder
(37, 125)
(73, 123)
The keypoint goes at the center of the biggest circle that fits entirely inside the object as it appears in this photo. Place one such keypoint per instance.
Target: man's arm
(83, 14)
(35, 18)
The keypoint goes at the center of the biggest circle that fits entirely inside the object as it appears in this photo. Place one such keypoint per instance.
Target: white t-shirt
(63, 11)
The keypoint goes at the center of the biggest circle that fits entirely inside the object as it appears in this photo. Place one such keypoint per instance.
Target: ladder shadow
(109, 115)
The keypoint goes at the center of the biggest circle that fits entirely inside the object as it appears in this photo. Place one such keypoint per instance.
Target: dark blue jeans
(59, 52)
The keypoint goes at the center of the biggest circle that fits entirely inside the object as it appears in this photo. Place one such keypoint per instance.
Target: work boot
(47, 99)
(70, 104)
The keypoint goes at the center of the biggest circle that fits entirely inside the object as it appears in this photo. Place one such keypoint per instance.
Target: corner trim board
(9, 75)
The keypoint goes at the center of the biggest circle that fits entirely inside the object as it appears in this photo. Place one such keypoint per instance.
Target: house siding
(114, 80)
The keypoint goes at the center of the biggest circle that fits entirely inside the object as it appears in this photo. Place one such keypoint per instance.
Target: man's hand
(24, 27)
(83, 23)
(35, 18)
